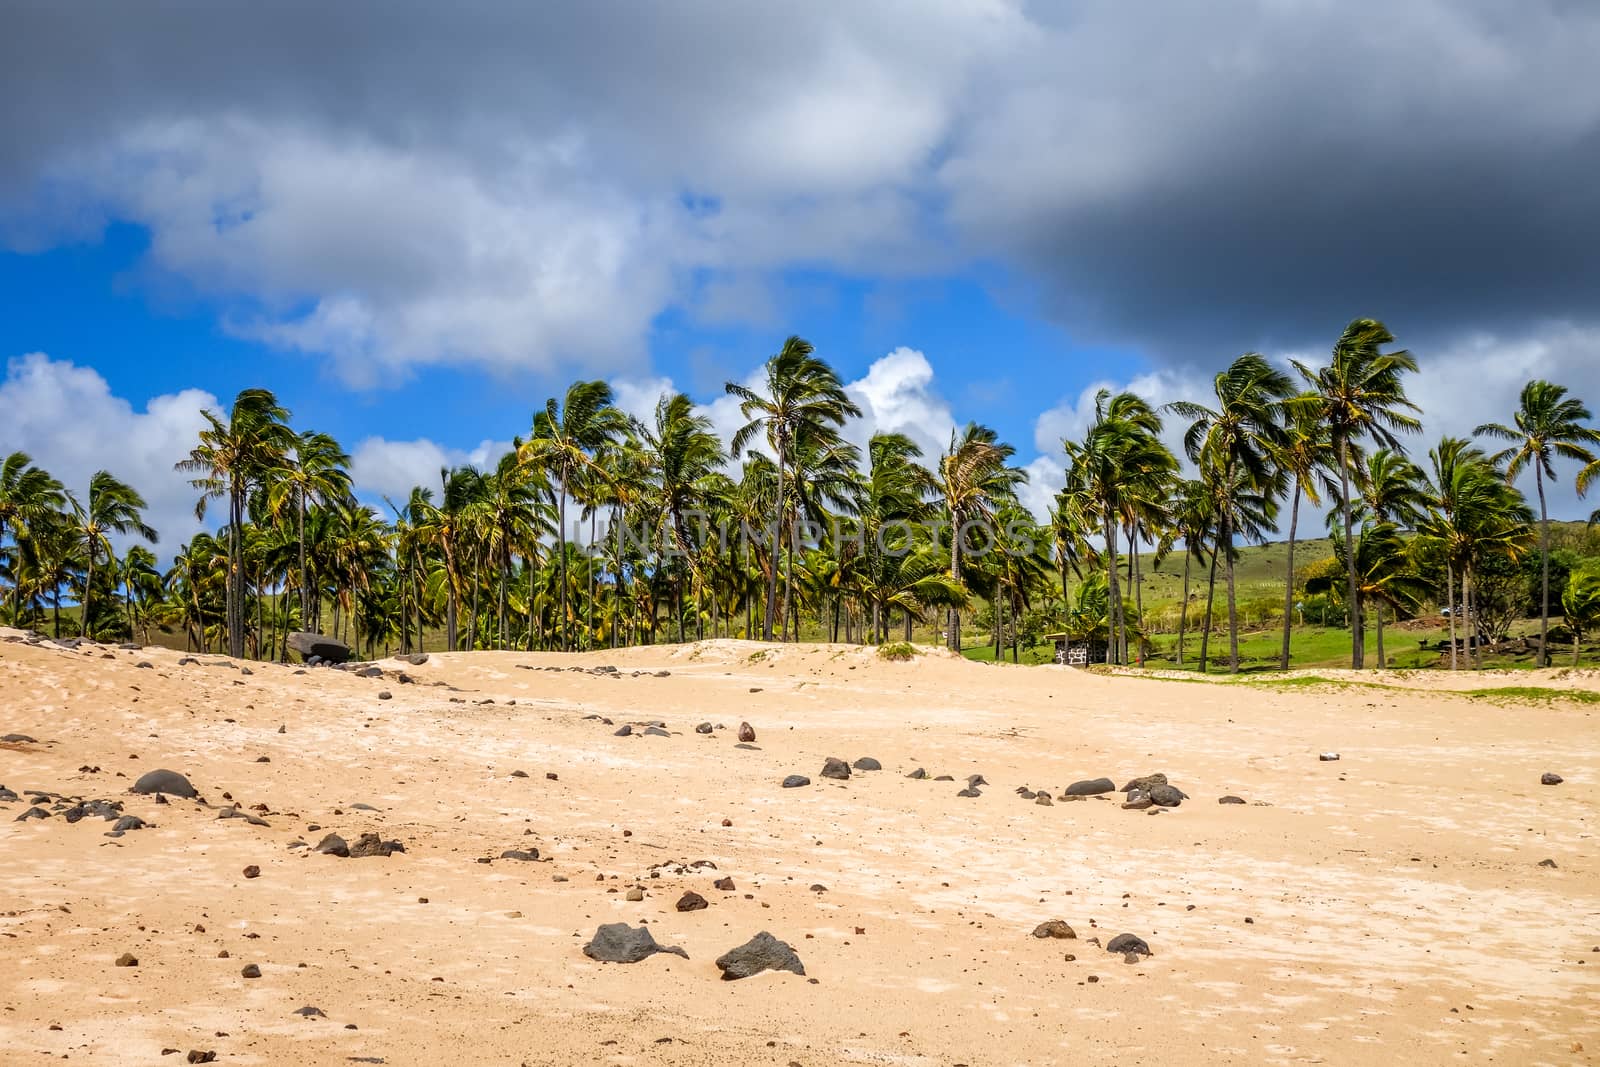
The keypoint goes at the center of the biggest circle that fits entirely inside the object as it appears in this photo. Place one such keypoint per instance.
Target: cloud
(527, 189)
(66, 417)
(381, 468)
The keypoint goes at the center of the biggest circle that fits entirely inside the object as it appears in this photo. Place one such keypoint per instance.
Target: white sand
(1386, 889)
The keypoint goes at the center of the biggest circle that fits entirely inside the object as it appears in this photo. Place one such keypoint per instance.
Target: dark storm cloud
(1191, 179)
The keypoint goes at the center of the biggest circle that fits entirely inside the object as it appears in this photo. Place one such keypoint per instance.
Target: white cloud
(66, 417)
(382, 468)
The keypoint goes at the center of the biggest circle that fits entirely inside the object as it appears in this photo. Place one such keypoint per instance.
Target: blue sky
(415, 228)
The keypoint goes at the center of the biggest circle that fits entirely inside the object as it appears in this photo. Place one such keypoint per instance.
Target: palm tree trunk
(1544, 550)
(1233, 605)
(561, 538)
(999, 621)
(1288, 581)
(777, 532)
(953, 634)
(305, 606)
(1183, 608)
(1138, 596)
(1357, 634)
(1450, 595)
(88, 584)
(1113, 593)
(1205, 631)
(1377, 618)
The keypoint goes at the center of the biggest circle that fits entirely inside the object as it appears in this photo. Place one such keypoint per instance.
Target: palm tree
(803, 403)
(973, 479)
(113, 507)
(1193, 520)
(1384, 574)
(1235, 443)
(1393, 490)
(231, 459)
(315, 470)
(1580, 605)
(28, 494)
(1304, 456)
(566, 435)
(1360, 393)
(683, 453)
(1548, 424)
(142, 589)
(1120, 459)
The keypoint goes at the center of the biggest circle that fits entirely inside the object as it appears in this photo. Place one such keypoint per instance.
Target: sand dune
(1386, 907)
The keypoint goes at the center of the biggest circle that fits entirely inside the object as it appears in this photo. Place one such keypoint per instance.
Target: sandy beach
(1386, 907)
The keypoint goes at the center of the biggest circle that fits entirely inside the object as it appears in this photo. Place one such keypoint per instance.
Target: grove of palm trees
(600, 530)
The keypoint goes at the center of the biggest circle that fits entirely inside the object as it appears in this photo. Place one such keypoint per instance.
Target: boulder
(333, 845)
(325, 649)
(370, 844)
(1230, 799)
(416, 659)
(692, 901)
(1550, 778)
(835, 768)
(1128, 944)
(621, 943)
(1145, 784)
(703, 728)
(796, 781)
(1091, 787)
(867, 763)
(761, 953)
(520, 854)
(1054, 928)
(747, 733)
(165, 781)
(919, 774)
(1167, 796)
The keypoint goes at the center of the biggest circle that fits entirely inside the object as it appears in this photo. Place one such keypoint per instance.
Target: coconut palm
(232, 458)
(683, 453)
(1360, 394)
(143, 593)
(1580, 606)
(801, 402)
(1548, 424)
(112, 507)
(1235, 442)
(565, 437)
(1304, 456)
(974, 477)
(314, 470)
(1393, 490)
(28, 495)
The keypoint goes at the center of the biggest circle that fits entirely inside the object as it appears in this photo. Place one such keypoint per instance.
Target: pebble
(1055, 928)
(250, 970)
(1550, 778)
(747, 733)
(636, 894)
(796, 781)
(252, 871)
(1328, 757)
(127, 959)
(835, 768)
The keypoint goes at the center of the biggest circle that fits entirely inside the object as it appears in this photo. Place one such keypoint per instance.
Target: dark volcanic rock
(1230, 799)
(621, 943)
(1550, 778)
(747, 733)
(333, 845)
(919, 774)
(835, 768)
(1123, 944)
(416, 659)
(724, 884)
(165, 781)
(370, 844)
(6, 794)
(529, 854)
(1091, 787)
(944, 778)
(1167, 796)
(1138, 802)
(32, 813)
(370, 672)
(326, 649)
(1054, 928)
(384, 694)
(703, 728)
(969, 792)
(692, 901)
(655, 731)
(1145, 784)
(623, 731)
(250, 970)
(867, 763)
(1044, 800)
(761, 953)
(795, 781)
(19, 739)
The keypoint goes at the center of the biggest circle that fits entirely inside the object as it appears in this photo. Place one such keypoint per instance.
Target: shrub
(897, 650)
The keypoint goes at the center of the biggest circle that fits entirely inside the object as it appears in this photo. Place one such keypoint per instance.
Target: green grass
(1534, 694)
(897, 650)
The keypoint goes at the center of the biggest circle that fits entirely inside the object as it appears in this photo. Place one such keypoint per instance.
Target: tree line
(599, 530)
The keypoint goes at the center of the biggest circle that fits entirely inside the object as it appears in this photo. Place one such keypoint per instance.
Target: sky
(414, 222)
